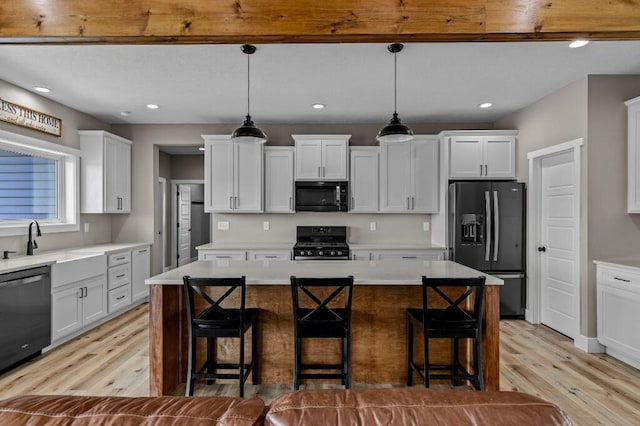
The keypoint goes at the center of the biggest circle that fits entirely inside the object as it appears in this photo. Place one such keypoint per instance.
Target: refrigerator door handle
(487, 207)
(496, 225)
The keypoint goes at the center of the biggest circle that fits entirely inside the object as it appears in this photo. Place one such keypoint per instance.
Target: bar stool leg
(455, 350)
(190, 366)
(427, 370)
(477, 368)
(296, 363)
(347, 345)
(241, 366)
(211, 358)
(254, 353)
(409, 352)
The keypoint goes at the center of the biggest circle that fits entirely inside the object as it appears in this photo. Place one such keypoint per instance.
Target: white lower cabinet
(140, 271)
(618, 304)
(222, 255)
(119, 282)
(76, 305)
(360, 255)
(421, 254)
(269, 255)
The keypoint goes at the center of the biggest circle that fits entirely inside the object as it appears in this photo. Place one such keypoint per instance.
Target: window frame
(67, 191)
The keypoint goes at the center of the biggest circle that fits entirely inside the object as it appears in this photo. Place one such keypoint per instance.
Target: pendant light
(248, 132)
(395, 131)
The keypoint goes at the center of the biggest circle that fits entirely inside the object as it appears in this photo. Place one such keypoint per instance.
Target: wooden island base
(378, 336)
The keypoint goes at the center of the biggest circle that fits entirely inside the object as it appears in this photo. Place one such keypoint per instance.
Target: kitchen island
(383, 290)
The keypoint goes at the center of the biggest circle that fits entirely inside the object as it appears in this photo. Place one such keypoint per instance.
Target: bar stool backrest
(444, 309)
(312, 304)
(214, 315)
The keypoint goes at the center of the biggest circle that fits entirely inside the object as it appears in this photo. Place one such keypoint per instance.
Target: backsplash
(390, 228)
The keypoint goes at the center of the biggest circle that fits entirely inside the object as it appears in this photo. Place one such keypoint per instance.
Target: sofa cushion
(411, 406)
(35, 410)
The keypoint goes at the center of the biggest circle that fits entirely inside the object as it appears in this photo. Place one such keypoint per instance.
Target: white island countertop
(365, 272)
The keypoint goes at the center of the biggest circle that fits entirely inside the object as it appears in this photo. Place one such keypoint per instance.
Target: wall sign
(29, 118)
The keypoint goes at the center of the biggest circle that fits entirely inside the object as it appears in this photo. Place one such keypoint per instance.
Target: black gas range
(321, 243)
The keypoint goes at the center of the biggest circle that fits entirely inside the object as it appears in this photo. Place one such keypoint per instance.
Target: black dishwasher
(25, 314)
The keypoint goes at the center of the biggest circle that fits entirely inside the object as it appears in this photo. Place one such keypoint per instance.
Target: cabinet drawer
(270, 255)
(620, 278)
(226, 255)
(119, 298)
(119, 258)
(119, 276)
(418, 254)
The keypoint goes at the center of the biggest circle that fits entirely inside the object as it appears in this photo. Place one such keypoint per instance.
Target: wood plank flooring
(113, 360)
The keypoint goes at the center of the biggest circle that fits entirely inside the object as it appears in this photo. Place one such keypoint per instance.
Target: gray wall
(72, 121)
(593, 109)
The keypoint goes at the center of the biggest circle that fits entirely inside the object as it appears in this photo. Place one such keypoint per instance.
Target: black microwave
(321, 196)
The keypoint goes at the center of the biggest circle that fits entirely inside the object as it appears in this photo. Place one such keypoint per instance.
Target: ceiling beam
(314, 21)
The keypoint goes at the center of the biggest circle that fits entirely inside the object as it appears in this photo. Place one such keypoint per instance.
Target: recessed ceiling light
(578, 43)
(318, 106)
(42, 89)
(201, 148)
(125, 113)
(485, 105)
(152, 106)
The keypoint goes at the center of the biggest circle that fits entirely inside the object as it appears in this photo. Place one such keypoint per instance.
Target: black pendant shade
(248, 132)
(395, 130)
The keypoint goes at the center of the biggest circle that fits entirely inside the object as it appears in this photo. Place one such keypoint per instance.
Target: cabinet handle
(291, 203)
(324, 171)
(353, 203)
(121, 258)
(81, 295)
(271, 257)
(235, 203)
(408, 203)
(223, 257)
(85, 291)
(622, 279)
(319, 172)
(231, 203)
(413, 203)
(120, 298)
(120, 276)
(409, 257)
(486, 170)
(480, 169)
(142, 251)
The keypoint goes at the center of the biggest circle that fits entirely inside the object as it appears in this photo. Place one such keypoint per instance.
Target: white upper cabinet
(409, 175)
(482, 154)
(321, 157)
(633, 157)
(278, 180)
(105, 172)
(233, 175)
(364, 179)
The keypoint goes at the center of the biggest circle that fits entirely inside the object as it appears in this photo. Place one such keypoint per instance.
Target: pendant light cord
(395, 81)
(248, 83)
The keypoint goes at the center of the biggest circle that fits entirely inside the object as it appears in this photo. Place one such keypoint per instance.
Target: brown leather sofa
(397, 406)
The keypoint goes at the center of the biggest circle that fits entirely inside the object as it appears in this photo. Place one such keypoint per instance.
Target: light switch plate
(223, 226)
(372, 226)
(425, 226)
(265, 225)
(86, 227)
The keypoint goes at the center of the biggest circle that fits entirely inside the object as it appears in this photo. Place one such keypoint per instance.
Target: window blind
(28, 187)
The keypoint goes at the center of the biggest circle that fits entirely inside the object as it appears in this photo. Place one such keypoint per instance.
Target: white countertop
(64, 255)
(277, 272)
(232, 245)
(628, 262)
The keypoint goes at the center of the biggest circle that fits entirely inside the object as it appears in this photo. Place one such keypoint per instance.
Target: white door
(184, 224)
(395, 177)
(278, 181)
(558, 243)
(363, 184)
(248, 177)
(308, 159)
(466, 157)
(425, 175)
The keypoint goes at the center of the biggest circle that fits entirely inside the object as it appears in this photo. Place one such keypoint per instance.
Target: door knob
(542, 249)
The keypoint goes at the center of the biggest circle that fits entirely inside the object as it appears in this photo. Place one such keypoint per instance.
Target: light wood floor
(113, 360)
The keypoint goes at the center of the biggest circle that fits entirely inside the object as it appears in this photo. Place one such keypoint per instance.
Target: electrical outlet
(372, 226)
(223, 226)
(265, 225)
(425, 226)
(86, 227)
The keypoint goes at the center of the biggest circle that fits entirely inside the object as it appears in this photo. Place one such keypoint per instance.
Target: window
(38, 180)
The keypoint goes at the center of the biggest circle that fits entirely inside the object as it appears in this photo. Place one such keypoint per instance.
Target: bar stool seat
(215, 321)
(454, 314)
(327, 317)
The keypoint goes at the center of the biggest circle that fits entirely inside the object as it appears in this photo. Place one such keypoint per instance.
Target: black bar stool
(217, 321)
(451, 317)
(322, 317)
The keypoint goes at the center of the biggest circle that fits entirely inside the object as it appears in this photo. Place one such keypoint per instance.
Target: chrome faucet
(31, 244)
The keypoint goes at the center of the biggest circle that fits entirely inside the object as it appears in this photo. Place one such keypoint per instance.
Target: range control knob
(320, 253)
(333, 253)
(339, 253)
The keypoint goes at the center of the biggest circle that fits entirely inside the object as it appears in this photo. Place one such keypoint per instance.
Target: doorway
(161, 237)
(554, 226)
(191, 225)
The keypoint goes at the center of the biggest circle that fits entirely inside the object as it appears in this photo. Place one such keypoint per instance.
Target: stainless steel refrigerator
(487, 232)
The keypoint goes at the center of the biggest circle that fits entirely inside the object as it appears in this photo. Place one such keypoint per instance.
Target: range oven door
(321, 196)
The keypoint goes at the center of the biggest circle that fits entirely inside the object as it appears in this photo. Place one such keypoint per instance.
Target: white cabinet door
(466, 157)
(112, 183)
(94, 302)
(308, 159)
(360, 255)
(247, 177)
(123, 172)
(364, 181)
(500, 157)
(140, 271)
(633, 155)
(278, 180)
(395, 177)
(218, 162)
(66, 311)
(334, 160)
(425, 175)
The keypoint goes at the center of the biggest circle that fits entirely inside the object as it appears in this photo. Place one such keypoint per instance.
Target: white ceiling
(437, 82)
